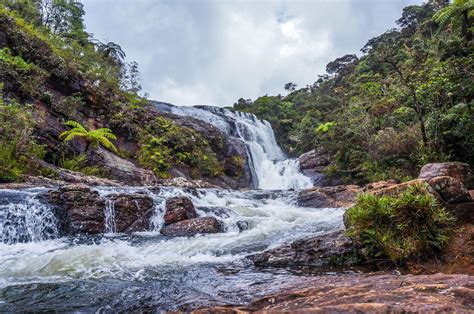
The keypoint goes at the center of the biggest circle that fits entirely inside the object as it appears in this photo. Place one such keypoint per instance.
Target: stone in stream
(179, 208)
(190, 227)
(332, 249)
(81, 210)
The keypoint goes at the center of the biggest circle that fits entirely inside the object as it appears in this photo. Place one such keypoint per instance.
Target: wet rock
(337, 196)
(178, 209)
(451, 190)
(182, 182)
(120, 169)
(381, 293)
(190, 227)
(457, 170)
(79, 209)
(133, 212)
(242, 225)
(323, 250)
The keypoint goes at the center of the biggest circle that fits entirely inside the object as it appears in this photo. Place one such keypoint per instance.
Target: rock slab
(191, 227)
(178, 209)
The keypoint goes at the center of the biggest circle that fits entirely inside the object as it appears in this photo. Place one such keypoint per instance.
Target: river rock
(120, 169)
(323, 250)
(451, 190)
(457, 170)
(79, 209)
(179, 208)
(190, 227)
(337, 196)
(133, 212)
(358, 293)
(314, 159)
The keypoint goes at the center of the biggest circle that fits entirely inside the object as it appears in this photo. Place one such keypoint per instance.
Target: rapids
(40, 270)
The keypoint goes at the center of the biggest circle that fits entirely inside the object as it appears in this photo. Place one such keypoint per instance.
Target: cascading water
(271, 169)
(40, 270)
(24, 218)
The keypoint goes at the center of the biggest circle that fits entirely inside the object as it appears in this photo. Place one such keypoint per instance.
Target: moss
(408, 226)
(165, 144)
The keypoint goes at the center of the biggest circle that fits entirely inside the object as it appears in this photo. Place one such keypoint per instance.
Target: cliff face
(63, 80)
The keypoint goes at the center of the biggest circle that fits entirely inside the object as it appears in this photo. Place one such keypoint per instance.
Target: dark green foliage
(407, 101)
(408, 226)
(165, 145)
(79, 163)
(17, 145)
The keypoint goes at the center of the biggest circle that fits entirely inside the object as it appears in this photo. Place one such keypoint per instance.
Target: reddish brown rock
(132, 212)
(457, 170)
(379, 185)
(337, 196)
(179, 208)
(451, 190)
(190, 227)
(79, 209)
(437, 293)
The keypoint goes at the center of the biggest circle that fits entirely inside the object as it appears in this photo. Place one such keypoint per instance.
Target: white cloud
(214, 52)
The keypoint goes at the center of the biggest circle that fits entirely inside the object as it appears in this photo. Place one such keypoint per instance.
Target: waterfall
(24, 218)
(271, 169)
(110, 225)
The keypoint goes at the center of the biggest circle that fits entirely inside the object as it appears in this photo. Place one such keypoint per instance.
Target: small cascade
(271, 170)
(110, 225)
(24, 218)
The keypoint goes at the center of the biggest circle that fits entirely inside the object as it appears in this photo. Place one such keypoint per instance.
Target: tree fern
(95, 137)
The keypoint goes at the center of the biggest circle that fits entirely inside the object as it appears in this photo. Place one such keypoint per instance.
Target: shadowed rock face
(437, 293)
(452, 190)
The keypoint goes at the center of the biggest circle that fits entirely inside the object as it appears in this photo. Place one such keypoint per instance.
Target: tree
(459, 13)
(95, 137)
(64, 18)
(132, 78)
(111, 51)
(290, 87)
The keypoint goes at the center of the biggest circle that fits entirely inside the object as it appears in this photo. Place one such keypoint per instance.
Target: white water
(272, 219)
(272, 169)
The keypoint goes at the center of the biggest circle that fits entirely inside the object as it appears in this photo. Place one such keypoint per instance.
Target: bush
(17, 145)
(79, 164)
(408, 226)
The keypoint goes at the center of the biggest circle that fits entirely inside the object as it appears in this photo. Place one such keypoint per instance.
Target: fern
(95, 137)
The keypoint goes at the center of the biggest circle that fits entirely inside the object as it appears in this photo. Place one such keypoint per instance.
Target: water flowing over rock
(313, 164)
(269, 167)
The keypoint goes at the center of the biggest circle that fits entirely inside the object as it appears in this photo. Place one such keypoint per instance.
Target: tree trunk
(466, 27)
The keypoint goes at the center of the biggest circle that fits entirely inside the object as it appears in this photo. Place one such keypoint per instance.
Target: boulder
(120, 169)
(190, 227)
(178, 209)
(133, 212)
(378, 185)
(314, 159)
(451, 190)
(457, 170)
(323, 250)
(337, 196)
(79, 209)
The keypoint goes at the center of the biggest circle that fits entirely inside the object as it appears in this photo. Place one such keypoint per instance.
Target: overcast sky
(197, 52)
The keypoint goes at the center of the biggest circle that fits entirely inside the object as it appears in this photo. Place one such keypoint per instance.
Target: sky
(213, 52)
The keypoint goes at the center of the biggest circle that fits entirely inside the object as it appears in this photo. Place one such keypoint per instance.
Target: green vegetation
(17, 143)
(79, 163)
(406, 101)
(95, 137)
(408, 226)
(166, 144)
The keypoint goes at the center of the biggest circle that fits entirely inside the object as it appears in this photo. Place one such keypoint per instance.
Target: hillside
(53, 71)
(406, 101)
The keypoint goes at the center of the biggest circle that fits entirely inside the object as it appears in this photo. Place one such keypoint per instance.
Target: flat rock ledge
(379, 293)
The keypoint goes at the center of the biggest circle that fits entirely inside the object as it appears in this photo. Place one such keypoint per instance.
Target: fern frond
(107, 144)
(71, 135)
(75, 125)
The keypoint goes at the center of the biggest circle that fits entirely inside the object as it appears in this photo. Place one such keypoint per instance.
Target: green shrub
(403, 227)
(17, 145)
(79, 164)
